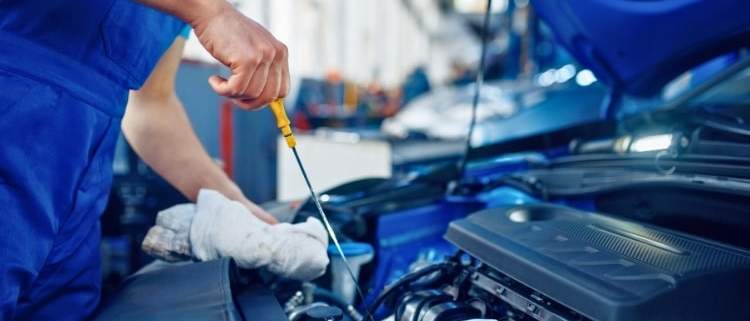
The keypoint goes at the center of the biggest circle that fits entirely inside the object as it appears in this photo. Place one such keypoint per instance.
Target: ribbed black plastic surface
(610, 269)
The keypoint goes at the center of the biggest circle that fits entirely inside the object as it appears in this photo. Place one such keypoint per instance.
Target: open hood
(637, 46)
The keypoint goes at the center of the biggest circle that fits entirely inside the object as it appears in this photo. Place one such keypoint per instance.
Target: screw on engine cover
(501, 291)
(684, 142)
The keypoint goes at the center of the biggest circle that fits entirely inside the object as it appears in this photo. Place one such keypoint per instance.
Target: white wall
(364, 40)
(329, 162)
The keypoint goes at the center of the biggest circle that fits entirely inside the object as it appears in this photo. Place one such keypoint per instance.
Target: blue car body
(633, 47)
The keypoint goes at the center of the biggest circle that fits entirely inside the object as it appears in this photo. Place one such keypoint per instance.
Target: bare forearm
(190, 11)
(160, 132)
(156, 126)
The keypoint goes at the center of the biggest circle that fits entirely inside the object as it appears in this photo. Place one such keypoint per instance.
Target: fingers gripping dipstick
(282, 121)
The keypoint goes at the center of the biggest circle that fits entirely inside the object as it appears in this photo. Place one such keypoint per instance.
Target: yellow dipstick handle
(282, 121)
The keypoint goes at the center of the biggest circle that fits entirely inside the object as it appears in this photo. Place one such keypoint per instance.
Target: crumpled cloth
(217, 227)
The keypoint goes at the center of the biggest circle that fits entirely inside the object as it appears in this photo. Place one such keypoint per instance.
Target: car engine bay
(564, 225)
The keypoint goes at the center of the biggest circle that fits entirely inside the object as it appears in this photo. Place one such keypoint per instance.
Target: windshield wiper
(722, 123)
(583, 182)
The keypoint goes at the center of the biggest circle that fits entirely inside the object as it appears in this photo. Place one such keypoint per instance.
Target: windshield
(733, 92)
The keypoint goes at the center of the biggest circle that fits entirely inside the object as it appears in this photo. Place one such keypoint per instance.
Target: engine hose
(405, 280)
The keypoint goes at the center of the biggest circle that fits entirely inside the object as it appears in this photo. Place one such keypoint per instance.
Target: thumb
(219, 84)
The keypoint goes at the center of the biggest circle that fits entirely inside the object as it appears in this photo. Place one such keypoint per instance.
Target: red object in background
(226, 137)
(301, 122)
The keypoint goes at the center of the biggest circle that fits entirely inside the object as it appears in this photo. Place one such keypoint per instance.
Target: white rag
(217, 227)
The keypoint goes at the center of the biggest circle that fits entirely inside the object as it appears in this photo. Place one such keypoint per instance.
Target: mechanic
(66, 69)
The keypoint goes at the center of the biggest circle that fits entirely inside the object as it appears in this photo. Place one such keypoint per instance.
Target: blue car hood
(637, 46)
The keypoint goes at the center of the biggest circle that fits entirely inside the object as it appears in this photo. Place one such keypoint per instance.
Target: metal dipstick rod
(284, 125)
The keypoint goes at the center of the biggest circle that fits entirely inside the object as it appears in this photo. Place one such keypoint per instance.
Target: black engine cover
(609, 269)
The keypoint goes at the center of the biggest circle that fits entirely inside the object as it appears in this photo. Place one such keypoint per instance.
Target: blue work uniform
(66, 67)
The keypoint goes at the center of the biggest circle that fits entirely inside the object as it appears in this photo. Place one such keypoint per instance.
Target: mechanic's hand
(259, 212)
(258, 62)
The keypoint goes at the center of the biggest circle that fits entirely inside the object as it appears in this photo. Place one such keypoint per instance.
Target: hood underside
(637, 46)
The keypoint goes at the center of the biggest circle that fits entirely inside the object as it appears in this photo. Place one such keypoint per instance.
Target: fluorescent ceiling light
(585, 77)
(565, 73)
